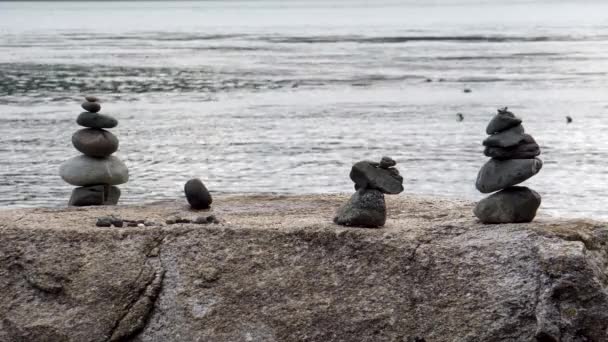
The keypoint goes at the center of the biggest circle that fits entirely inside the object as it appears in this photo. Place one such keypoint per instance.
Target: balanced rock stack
(96, 171)
(513, 161)
(366, 208)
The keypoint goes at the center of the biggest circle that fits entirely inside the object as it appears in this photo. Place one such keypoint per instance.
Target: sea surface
(283, 96)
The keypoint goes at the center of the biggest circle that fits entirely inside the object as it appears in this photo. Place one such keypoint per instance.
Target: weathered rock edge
(278, 269)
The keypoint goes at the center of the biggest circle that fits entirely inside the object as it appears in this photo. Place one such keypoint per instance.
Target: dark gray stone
(512, 205)
(94, 120)
(95, 142)
(94, 195)
(525, 150)
(387, 162)
(366, 208)
(84, 171)
(511, 137)
(197, 194)
(502, 121)
(92, 107)
(368, 175)
(104, 222)
(91, 98)
(499, 174)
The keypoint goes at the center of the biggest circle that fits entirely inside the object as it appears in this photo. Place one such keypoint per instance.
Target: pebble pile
(96, 172)
(367, 208)
(513, 161)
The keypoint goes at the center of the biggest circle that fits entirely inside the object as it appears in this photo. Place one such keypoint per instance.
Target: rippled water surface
(283, 96)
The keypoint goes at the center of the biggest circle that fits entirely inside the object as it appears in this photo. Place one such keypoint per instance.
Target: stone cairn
(513, 161)
(96, 171)
(366, 208)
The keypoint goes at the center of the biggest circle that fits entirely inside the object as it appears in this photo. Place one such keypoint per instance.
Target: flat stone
(197, 194)
(91, 98)
(95, 142)
(502, 121)
(511, 137)
(499, 174)
(368, 175)
(94, 195)
(527, 149)
(366, 208)
(515, 204)
(93, 120)
(92, 107)
(85, 171)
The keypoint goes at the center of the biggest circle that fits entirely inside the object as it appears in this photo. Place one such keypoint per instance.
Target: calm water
(283, 96)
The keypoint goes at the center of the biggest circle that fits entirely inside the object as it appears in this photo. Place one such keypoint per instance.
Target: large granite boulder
(277, 269)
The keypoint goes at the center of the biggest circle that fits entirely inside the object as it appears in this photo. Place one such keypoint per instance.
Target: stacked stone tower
(366, 208)
(96, 172)
(513, 161)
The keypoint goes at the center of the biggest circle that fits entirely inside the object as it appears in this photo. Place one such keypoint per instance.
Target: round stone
(527, 149)
(387, 162)
(85, 171)
(197, 194)
(95, 142)
(499, 174)
(92, 107)
(94, 120)
(366, 208)
(512, 205)
(502, 121)
(91, 98)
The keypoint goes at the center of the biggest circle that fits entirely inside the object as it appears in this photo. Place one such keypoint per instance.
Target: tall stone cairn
(514, 160)
(96, 171)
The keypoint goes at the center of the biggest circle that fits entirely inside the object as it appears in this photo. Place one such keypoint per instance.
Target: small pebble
(91, 98)
(387, 162)
(171, 220)
(467, 90)
(104, 222)
(92, 107)
(141, 225)
(201, 220)
(149, 223)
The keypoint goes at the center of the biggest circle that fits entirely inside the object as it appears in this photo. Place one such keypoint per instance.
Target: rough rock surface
(277, 269)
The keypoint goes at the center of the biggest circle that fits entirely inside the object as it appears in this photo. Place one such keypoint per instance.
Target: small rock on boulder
(369, 175)
(502, 121)
(95, 142)
(197, 194)
(512, 205)
(366, 208)
(527, 149)
(500, 174)
(92, 107)
(511, 137)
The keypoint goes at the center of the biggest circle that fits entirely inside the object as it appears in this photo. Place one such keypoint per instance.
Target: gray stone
(499, 174)
(512, 205)
(91, 98)
(368, 175)
(366, 208)
(387, 162)
(521, 151)
(511, 137)
(85, 171)
(502, 122)
(94, 120)
(95, 142)
(94, 195)
(197, 194)
(278, 270)
(92, 107)
(104, 221)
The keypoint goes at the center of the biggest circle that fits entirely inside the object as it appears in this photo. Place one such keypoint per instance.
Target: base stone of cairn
(366, 207)
(513, 161)
(96, 171)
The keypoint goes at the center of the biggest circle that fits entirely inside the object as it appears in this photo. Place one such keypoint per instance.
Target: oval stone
(94, 120)
(197, 194)
(92, 107)
(367, 175)
(511, 137)
(502, 122)
(512, 205)
(91, 98)
(85, 171)
(95, 142)
(499, 174)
